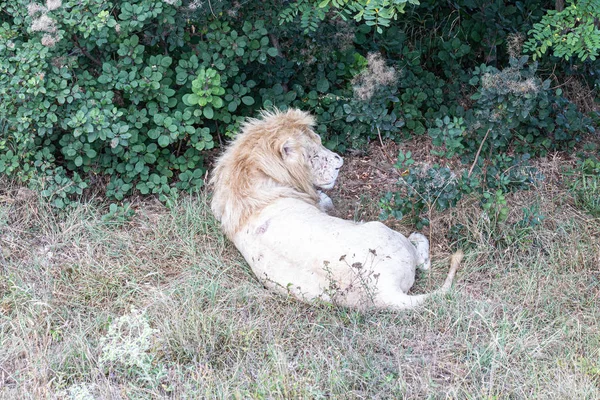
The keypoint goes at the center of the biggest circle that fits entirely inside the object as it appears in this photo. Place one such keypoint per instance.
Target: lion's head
(276, 156)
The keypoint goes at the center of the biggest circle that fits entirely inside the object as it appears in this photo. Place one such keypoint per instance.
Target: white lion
(267, 199)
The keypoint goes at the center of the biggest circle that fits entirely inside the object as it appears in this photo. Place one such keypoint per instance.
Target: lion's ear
(288, 150)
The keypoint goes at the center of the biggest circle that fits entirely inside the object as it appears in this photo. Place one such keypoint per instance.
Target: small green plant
(586, 186)
(532, 217)
(422, 189)
(206, 91)
(119, 214)
(448, 133)
(127, 349)
(494, 205)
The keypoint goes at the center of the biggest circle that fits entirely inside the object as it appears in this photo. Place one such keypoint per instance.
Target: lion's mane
(251, 173)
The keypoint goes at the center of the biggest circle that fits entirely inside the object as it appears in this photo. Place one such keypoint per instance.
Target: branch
(85, 52)
(478, 151)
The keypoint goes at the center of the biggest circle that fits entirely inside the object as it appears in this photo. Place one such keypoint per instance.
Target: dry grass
(522, 321)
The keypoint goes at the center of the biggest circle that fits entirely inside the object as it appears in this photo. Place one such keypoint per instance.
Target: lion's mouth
(327, 185)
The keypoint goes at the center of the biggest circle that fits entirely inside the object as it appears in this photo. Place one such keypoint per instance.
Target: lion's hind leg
(422, 246)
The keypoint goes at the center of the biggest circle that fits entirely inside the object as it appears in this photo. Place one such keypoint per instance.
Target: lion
(267, 196)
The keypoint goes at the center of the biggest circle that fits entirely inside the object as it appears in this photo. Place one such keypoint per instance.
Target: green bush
(119, 90)
(571, 32)
(129, 96)
(422, 189)
(514, 112)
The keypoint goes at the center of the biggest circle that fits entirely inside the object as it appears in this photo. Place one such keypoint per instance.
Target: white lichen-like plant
(43, 23)
(53, 4)
(377, 74)
(509, 80)
(127, 347)
(81, 391)
(34, 9)
(193, 5)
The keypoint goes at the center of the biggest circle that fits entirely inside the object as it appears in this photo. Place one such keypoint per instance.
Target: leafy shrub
(377, 13)
(449, 134)
(522, 111)
(571, 32)
(131, 95)
(513, 111)
(423, 188)
(115, 91)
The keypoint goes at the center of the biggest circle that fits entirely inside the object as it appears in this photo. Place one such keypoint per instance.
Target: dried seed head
(43, 24)
(376, 75)
(49, 40)
(53, 4)
(34, 8)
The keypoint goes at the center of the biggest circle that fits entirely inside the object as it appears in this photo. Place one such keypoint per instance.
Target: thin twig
(431, 205)
(478, 151)
(219, 134)
(85, 52)
(275, 42)
(211, 9)
(384, 152)
(376, 167)
(2, 261)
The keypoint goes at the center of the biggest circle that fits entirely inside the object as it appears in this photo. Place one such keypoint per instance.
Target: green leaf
(208, 112)
(248, 100)
(91, 153)
(217, 102)
(191, 99)
(143, 188)
(78, 161)
(232, 106)
(323, 85)
(166, 61)
(164, 140)
(153, 133)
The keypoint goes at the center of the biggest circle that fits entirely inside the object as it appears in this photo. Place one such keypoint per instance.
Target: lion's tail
(454, 263)
(405, 302)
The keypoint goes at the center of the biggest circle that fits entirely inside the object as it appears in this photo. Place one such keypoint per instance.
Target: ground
(162, 305)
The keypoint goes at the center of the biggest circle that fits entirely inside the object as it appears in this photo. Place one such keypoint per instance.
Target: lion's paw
(325, 202)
